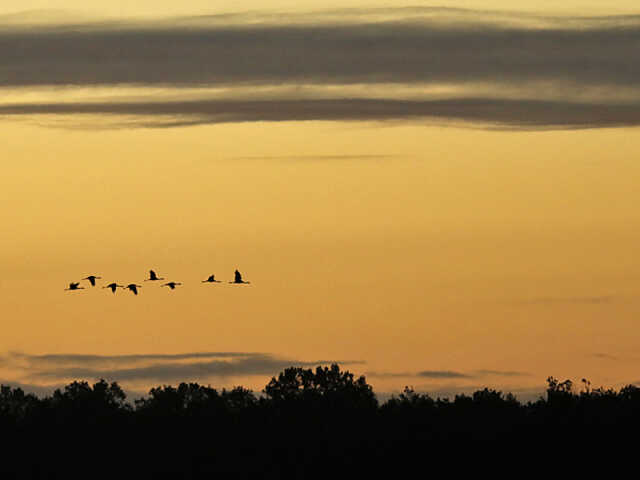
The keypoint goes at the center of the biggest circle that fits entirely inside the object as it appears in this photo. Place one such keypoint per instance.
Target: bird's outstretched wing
(113, 286)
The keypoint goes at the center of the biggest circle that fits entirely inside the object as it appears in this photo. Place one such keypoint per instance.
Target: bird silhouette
(171, 285)
(238, 278)
(134, 288)
(74, 286)
(153, 276)
(113, 286)
(92, 279)
(211, 279)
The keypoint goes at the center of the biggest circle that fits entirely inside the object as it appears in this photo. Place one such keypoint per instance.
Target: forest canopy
(305, 422)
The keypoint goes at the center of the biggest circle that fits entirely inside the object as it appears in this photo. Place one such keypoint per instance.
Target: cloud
(494, 70)
(500, 373)
(355, 46)
(599, 299)
(448, 374)
(155, 368)
(101, 360)
(435, 374)
(375, 374)
(492, 112)
(318, 157)
(441, 374)
(167, 372)
(605, 356)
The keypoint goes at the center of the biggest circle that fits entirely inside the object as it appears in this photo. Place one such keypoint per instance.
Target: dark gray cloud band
(419, 49)
(155, 368)
(101, 360)
(503, 70)
(167, 372)
(492, 112)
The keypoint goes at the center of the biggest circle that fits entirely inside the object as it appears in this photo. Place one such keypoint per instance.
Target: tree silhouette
(321, 422)
(328, 385)
(15, 405)
(100, 399)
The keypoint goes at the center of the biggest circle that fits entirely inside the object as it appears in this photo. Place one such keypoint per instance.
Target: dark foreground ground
(321, 423)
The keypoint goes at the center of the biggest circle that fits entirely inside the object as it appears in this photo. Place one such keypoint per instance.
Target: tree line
(306, 423)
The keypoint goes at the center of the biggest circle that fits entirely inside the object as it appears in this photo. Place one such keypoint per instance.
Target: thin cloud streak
(490, 112)
(97, 360)
(605, 356)
(390, 374)
(595, 300)
(447, 374)
(440, 374)
(501, 373)
(318, 157)
(155, 367)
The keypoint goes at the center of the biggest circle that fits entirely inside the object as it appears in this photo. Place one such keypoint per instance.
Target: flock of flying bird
(152, 278)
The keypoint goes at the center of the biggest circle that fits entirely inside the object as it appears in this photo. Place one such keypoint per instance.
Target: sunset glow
(437, 197)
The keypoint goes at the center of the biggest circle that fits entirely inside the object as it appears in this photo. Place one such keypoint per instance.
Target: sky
(439, 195)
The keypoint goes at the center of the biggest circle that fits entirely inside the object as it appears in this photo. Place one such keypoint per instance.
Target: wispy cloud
(375, 374)
(439, 374)
(596, 299)
(448, 374)
(491, 112)
(155, 368)
(61, 359)
(605, 356)
(318, 157)
(501, 373)
(167, 371)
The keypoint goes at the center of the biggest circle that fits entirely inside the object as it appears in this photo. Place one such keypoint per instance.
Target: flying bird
(238, 278)
(211, 279)
(134, 288)
(113, 286)
(171, 285)
(92, 279)
(74, 286)
(153, 276)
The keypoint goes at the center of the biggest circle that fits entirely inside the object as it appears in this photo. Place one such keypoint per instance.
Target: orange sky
(502, 256)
